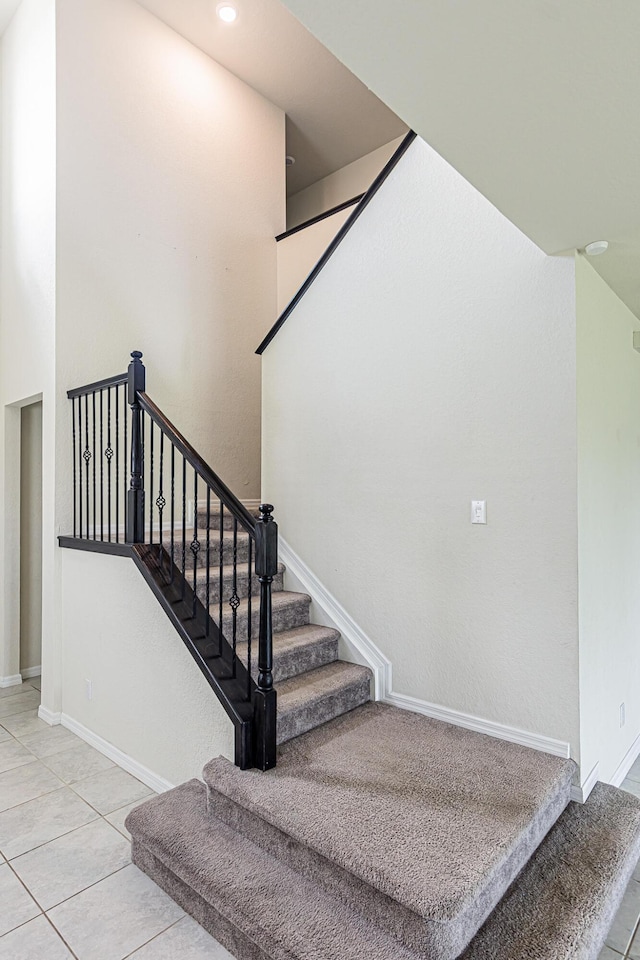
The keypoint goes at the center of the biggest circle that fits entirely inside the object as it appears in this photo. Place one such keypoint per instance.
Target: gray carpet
(419, 825)
(559, 908)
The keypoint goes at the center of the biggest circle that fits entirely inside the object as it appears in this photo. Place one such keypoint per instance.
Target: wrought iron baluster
(234, 599)
(101, 467)
(195, 543)
(109, 456)
(80, 492)
(95, 502)
(220, 576)
(208, 574)
(75, 504)
(249, 597)
(150, 480)
(127, 459)
(184, 527)
(117, 480)
(87, 457)
(173, 509)
(161, 502)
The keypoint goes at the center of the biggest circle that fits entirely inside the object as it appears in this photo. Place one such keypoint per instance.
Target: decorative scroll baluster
(109, 456)
(93, 456)
(249, 592)
(101, 468)
(265, 696)
(135, 496)
(195, 543)
(87, 458)
(161, 502)
(234, 599)
(208, 580)
(220, 576)
(80, 465)
(150, 481)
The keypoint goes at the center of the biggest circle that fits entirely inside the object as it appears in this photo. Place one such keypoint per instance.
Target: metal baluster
(95, 502)
(208, 582)
(87, 456)
(184, 526)
(101, 468)
(109, 455)
(220, 576)
(195, 543)
(125, 498)
(234, 599)
(161, 502)
(150, 480)
(249, 592)
(75, 504)
(80, 463)
(173, 509)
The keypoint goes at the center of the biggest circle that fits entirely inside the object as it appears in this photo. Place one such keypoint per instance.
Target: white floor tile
(36, 940)
(13, 754)
(186, 940)
(110, 790)
(25, 783)
(24, 724)
(625, 920)
(118, 817)
(115, 917)
(51, 740)
(31, 824)
(16, 906)
(11, 706)
(79, 763)
(62, 868)
(14, 691)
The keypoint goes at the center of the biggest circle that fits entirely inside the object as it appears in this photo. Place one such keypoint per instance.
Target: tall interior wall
(608, 391)
(169, 185)
(433, 363)
(27, 301)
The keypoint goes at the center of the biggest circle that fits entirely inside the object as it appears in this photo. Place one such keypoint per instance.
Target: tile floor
(68, 888)
(67, 885)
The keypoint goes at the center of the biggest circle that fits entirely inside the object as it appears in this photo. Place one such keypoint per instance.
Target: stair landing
(419, 825)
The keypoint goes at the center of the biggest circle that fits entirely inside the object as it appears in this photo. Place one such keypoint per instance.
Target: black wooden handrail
(116, 381)
(337, 240)
(210, 477)
(132, 496)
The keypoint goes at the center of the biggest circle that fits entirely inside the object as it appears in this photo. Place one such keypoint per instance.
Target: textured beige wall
(31, 537)
(432, 363)
(608, 387)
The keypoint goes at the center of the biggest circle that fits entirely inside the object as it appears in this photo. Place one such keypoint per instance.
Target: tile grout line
(155, 936)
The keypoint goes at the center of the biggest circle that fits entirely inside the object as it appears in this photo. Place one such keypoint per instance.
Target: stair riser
(242, 553)
(226, 933)
(242, 587)
(214, 521)
(295, 722)
(292, 615)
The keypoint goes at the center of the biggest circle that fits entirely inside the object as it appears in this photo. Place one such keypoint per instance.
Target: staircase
(346, 828)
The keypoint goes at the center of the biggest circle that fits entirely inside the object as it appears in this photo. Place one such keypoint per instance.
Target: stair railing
(190, 536)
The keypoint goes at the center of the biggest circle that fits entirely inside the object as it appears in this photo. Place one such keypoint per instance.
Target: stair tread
(467, 810)
(242, 569)
(559, 907)
(279, 599)
(308, 687)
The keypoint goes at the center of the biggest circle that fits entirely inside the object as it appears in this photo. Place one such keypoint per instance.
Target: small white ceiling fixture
(596, 248)
(289, 160)
(227, 12)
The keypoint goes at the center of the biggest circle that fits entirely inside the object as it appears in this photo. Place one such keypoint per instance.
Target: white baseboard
(626, 763)
(142, 773)
(581, 794)
(31, 672)
(53, 719)
(362, 647)
(13, 681)
(559, 748)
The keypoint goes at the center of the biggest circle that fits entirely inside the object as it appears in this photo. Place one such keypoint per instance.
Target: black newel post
(135, 495)
(264, 706)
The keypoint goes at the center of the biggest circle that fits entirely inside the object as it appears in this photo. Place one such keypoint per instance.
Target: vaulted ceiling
(535, 102)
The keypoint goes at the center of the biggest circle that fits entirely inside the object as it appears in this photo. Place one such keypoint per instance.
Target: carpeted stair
(314, 685)
(387, 835)
(380, 833)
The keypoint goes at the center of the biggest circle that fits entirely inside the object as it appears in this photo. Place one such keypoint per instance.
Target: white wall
(31, 537)
(170, 192)
(432, 363)
(299, 253)
(338, 187)
(608, 390)
(27, 297)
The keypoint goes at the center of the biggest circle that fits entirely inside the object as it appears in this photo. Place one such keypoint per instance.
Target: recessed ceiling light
(596, 248)
(227, 12)
(289, 160)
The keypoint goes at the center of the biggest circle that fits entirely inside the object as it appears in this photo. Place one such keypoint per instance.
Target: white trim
(559, 748)
(363, 648)
(142, 773)
(626, 763)
(53, 719)
(13, 681)
(31, 672)
(581, 794)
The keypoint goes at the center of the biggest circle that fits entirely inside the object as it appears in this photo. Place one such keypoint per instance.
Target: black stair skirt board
(559, 908)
